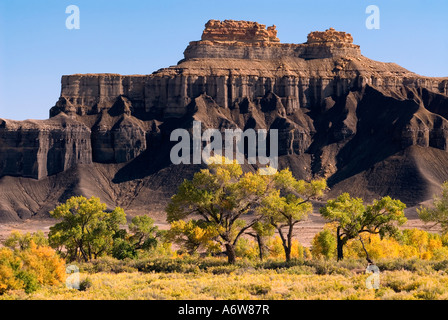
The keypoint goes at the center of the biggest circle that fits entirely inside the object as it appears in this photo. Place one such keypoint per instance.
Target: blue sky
(139, 37)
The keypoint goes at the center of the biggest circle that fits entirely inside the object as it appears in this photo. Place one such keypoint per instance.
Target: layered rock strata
(339, 114)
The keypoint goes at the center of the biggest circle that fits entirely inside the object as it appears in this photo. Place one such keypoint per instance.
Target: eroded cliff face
(230, 66)
(339, 114)
(38, 149)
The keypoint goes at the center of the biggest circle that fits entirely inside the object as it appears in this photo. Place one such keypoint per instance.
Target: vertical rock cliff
(364, 125)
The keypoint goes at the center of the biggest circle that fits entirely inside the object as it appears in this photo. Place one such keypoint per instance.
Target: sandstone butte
(371, 128)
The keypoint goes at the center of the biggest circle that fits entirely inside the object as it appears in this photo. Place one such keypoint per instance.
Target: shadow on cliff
(380, 158)
(157, 156)
(381, 120)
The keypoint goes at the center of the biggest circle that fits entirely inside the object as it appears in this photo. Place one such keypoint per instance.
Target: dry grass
(248, 284)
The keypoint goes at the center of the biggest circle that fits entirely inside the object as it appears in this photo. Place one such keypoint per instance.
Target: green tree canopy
(353, 217)
(144, 233)
(194, 234)
(142, 237)
(87, 230)
(220, 195)
(22, 241)
(289, 203)
(262, 230)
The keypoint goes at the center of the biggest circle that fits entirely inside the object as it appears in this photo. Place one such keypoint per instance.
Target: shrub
(259, 289)
(440, 254)
(324, 244)
(30, 268)
(280, 264)
(308, 270)
(107, 264)
(228, 269)
(44, 263)
(85, 284)
(444, 239)
(323, 267)
(29, 280)
(22, 241)
(276, 250)
(246, 248)
(376, 247)
(10, 265)
(123, 249)
(415, 264)
(165, 265)
(441, 266)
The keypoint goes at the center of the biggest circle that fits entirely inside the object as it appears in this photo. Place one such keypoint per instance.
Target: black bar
(221, 309)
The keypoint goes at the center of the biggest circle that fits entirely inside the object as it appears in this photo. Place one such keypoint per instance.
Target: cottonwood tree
(352, 218)
(221, 195)
(288, 204)
(87, 230)
(142, 236)
(143, 233)
(193, 235)
(22, 241)
(438, 212)
(261, 231)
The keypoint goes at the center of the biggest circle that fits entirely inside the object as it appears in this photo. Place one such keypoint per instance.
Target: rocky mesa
(371, 128)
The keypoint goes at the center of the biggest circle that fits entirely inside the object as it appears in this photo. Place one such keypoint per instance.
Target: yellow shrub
(434, 244)
(426, 255)
(246, 248)
(416, 238)
(324, 243)
(307, 254)
(408, 251)
(276, 249)
(30, 268)
(379, 248)
(296, 249)
(444, 239)
(440, 254)
(9, 265)
(45, 264)
(415, 243)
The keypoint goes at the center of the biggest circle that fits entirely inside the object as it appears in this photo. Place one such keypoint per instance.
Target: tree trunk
(81, 249)
(340, 245)
(365, 250)
(287, 253)
(286, 244)
(289, 245)
(260, 246)
(230, 251)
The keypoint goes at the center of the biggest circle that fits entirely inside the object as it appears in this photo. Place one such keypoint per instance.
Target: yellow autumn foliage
(30, 268)
(247, 248)
(377, 248)
(276, 250)
(9, 263)
(44, 263)
(413, 243)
